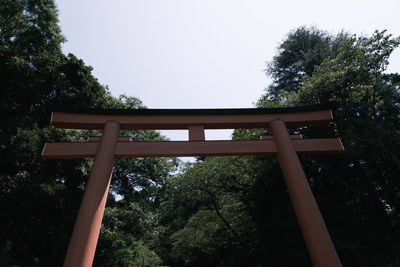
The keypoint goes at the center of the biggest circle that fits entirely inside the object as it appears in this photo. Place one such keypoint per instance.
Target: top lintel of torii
(160, 119)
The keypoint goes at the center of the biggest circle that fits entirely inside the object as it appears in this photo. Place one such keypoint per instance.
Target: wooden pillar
(316, 236)
(84, 238)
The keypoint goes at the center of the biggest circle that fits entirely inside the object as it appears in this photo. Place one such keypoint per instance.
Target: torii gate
(87, 227)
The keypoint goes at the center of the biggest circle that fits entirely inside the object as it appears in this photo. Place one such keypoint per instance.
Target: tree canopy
(39, 199)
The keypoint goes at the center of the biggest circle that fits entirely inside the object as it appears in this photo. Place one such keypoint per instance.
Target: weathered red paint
(316, 236)
(191, 149)
(84, 238)
(196, 133)
(170, 122)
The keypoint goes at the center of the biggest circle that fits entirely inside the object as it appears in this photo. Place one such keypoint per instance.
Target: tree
(302, 50)
(39, 199)
(127, 226)
(366, 175)
(229, 211)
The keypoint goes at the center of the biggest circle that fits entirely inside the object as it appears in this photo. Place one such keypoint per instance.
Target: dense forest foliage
(218, 211)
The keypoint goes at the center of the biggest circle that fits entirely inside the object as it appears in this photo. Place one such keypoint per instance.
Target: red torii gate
(87, 227)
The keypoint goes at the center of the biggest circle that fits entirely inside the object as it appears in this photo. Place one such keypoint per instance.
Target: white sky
(203, 53)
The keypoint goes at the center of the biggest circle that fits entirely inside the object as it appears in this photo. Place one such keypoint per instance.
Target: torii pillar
(87, 227)
(84, 238)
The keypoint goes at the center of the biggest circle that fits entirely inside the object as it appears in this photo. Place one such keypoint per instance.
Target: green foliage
(298, 55)
(125, 225)
(118, 250)
(39, 199)
(354, 74)
(357, 191)
(215, 214)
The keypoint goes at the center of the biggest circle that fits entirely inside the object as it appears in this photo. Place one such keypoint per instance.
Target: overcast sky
(205, 53)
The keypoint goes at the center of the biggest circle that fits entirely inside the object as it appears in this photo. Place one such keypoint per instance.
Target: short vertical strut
(316, 236)
(84, 238)
(196, 133)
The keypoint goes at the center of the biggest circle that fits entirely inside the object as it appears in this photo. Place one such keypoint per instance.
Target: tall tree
(39, 199)
(365, 179)
(302, 50)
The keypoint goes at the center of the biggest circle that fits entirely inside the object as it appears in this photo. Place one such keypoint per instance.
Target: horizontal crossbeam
(191, 149)
(172, 121)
